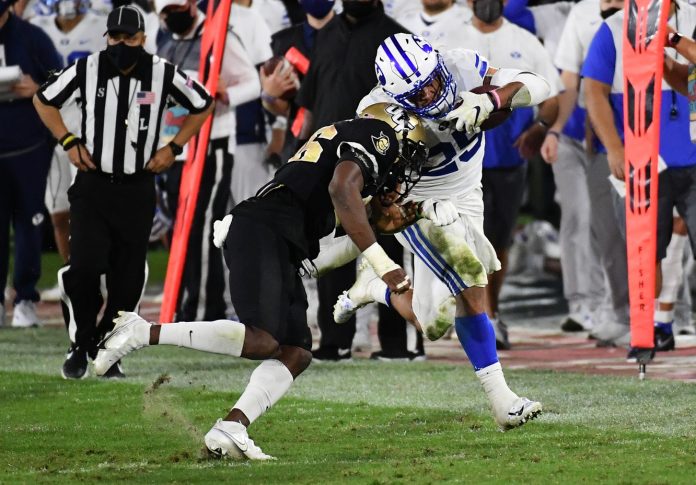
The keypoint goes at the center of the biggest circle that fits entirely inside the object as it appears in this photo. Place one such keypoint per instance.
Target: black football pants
(110, 222)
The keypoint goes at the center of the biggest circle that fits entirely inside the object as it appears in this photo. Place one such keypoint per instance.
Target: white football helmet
(405, 63)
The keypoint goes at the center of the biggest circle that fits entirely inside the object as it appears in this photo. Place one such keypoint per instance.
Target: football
(271, 64)
(498, 116)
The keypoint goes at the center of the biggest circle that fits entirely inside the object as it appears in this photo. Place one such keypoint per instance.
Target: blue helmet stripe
(395, 63)
(403, 54)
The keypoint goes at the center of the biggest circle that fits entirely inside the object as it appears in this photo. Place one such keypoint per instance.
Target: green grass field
(361, 422)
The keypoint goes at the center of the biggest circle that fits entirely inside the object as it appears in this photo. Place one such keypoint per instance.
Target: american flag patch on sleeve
(145, 97)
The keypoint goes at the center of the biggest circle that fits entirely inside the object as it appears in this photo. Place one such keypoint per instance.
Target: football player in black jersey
(323, 185)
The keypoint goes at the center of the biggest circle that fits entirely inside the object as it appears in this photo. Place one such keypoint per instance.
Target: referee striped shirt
(121, 115)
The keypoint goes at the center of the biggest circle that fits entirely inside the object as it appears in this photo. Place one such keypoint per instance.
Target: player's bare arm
(344, 189)
(517, 89)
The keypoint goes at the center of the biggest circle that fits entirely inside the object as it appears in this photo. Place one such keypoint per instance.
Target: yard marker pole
(212, 48)
(643, 53)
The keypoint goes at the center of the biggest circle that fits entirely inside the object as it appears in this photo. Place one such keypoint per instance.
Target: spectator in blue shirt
(25, 155)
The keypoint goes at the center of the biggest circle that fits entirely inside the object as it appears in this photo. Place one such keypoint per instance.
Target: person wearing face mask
(341, 72)
(152, 23)
(112, 200)
(75, 31)
(25, 156)
(511, 145)
(604, 91)
(203, 282)
(591, 248)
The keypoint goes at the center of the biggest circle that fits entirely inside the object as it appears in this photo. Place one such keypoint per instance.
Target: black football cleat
(75, 365)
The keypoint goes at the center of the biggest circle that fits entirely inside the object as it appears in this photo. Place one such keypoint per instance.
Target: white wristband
(378, 259)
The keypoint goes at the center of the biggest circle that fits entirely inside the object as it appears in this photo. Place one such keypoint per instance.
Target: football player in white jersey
(454, 256)
(76, 32)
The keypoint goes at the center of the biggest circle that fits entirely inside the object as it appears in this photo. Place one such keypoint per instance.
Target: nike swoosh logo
(242, 445)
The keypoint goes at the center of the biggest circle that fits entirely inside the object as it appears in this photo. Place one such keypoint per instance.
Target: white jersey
(583, 21)
(441, 29)
(513, 47)
(549, 20)
(453, 169)
(253, 31)
(84, 39)
(273, 12)
(87, 36)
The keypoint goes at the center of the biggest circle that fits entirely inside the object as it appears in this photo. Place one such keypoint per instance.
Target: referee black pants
(110, 222)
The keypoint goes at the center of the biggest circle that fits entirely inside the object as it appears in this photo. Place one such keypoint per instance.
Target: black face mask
(488, 11)
(357, 9)
(179, 22)
(123, 56)
(609, 12)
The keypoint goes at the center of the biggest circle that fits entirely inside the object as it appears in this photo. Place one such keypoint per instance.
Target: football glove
(440, 212)
(220, 230)
(473, 110)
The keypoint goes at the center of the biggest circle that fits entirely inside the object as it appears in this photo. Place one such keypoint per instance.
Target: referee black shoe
(75, 365)
(114, 372)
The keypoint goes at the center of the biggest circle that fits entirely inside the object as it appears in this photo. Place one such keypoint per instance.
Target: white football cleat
(131, 332)
(25, 314)
(230, 439)
(357, 296)
(522, 410)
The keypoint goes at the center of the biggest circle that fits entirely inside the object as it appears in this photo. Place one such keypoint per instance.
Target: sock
(663, 316)
(377, 289)
(218, 337)
(267, 384)
(477, 337)
(672, 270)
(500, 397)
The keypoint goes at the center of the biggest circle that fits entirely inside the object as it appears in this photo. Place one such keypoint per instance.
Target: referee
(123, 92)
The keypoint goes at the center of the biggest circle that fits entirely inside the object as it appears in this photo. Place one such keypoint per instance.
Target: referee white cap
(162, 4)
(126, 19)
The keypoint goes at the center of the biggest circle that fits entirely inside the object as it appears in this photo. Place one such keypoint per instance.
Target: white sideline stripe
(72, 324)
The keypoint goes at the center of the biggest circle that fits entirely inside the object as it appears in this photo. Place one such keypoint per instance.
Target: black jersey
(301, 186)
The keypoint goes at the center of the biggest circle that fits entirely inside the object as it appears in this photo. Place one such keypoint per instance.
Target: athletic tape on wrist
(379, 260)
(495, 98)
